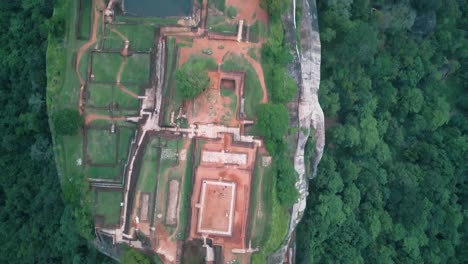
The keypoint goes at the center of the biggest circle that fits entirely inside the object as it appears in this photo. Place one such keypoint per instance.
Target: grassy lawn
(149, 168)
(170, 169)
(185, 196)
(70, 149)
(125, 100)
(102, 146)
(225, 92)
(277, 227)
(224, 28)
(218, 24)
(140, 36)
(100, 95)
(137, 69)
(218, 4)
(258, 30)
(252, 89)
(125, 138)
(85, 27)
(169, 77)
(106, 66)
(109, 173)
(215, 20)
(262, 179)
(107, 204)
(100, 122)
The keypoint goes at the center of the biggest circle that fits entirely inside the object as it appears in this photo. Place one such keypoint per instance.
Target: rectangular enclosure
(216, 207)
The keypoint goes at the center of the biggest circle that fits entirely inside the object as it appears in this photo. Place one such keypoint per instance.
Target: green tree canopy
(191, 80)
(272, 123)
(67, 121)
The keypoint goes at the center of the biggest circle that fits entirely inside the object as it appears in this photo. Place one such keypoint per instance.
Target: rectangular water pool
(158, 8)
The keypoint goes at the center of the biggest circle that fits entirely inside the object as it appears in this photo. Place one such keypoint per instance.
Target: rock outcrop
(310, 114)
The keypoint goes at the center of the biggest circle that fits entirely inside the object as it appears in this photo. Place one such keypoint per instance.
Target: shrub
(231, 12)
(286, 179)
(191, 80)
(67, 121)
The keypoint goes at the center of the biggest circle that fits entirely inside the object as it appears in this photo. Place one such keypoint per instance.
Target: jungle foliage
(35, 224)
(67, 121)
(392, 184)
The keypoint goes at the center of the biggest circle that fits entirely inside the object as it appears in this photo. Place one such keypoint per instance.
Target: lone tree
(191, 80)
(67, 121)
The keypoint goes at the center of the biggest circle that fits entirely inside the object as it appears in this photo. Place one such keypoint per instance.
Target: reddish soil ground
(230, 47)
(210, 107)
(215, 208)
(248, 10)
(228, 173)
(165, 246)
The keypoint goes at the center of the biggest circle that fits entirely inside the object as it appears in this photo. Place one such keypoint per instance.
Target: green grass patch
(149, 168)
(218, 4)
(107, 65)
(215, 20)
(262, 179)
(85, 27)
(169, 78)
(125, 138)
(101, 146)
(109, 173)
(276, 229)
(224, 28)
(70, 149)
(125, 100)
(185, 196)
(137, 69)
(253, 93)
(100, 95)
(107, 204)
(141, 37)
(258, 30)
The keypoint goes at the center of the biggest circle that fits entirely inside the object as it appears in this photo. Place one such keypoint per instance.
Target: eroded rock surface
(310, 114)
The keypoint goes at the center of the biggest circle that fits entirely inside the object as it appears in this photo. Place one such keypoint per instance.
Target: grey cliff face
(310, 114)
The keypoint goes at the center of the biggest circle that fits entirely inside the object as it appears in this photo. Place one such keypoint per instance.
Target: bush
(231, 12)
(272, 123)
(191, 80)
(67, 121)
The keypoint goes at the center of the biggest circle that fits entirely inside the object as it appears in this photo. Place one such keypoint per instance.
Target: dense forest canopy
(35, 224)
(392, 185)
